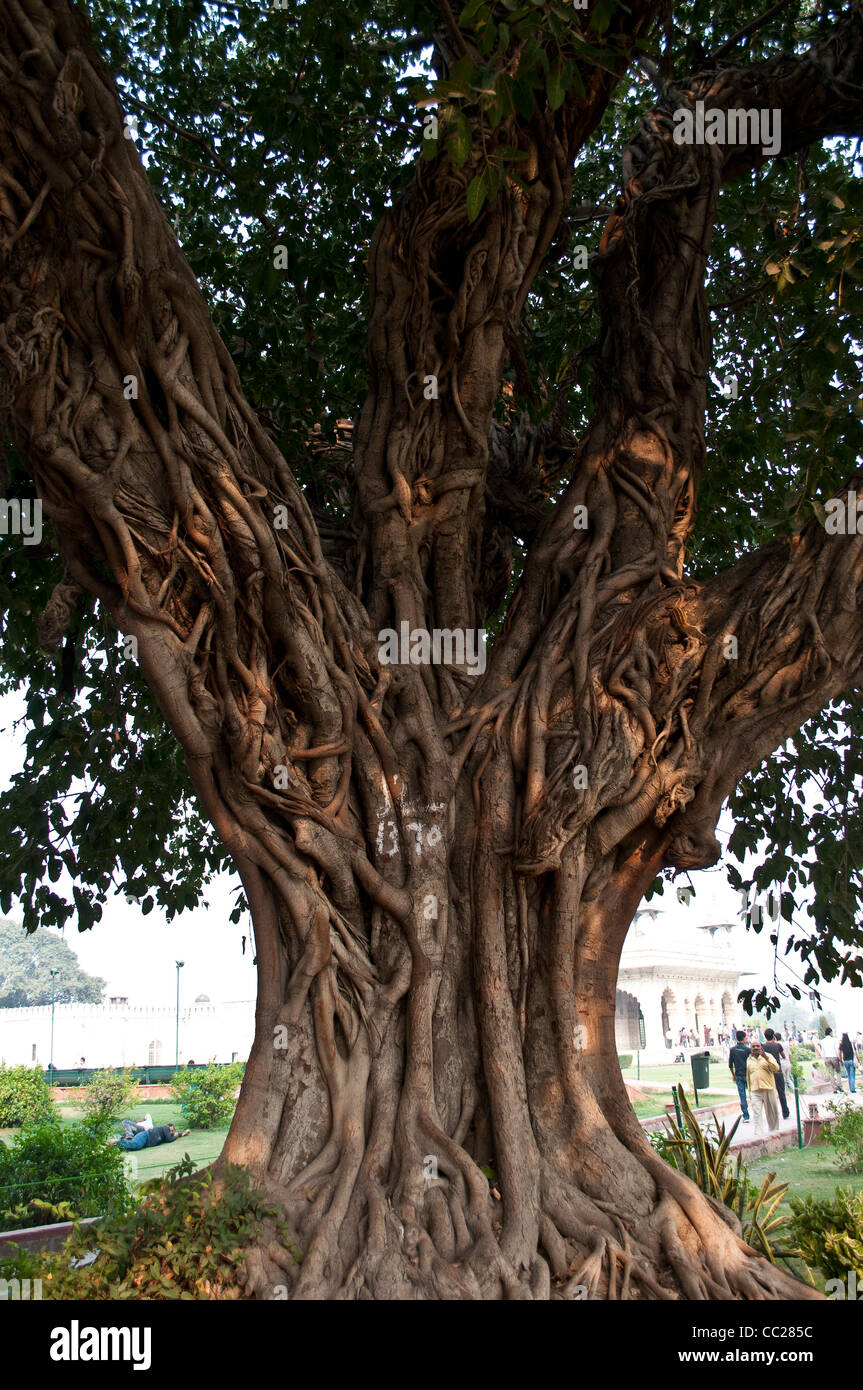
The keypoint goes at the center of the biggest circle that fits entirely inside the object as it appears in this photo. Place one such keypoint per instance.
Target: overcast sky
(136, 955)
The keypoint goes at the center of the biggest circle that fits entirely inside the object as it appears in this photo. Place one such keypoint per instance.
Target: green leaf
(555, 88)
(476, 192)
(470, 12)
(459, 141)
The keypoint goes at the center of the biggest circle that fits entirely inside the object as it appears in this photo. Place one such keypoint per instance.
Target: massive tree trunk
(441, 868)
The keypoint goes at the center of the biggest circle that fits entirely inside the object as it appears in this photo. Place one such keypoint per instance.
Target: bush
(24, 1095)
(802, 1055)
(186, 1241)
(845, 1134)
(109, 1093)
(67, 1166)
(704, 1155)
(624, 1060)
(207, 1094)
(830, 1234)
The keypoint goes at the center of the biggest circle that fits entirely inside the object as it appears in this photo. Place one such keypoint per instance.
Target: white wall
(120, 1035)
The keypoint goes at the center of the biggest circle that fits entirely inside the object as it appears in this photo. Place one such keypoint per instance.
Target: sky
(137, 955)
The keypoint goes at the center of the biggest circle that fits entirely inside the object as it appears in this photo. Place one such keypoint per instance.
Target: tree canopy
(296, 127)
(26, 962)
(314, 323)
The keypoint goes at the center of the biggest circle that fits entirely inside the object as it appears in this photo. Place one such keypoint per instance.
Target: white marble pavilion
(680, 974)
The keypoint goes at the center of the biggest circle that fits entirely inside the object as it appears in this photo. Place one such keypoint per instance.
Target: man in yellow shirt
(761, 1071)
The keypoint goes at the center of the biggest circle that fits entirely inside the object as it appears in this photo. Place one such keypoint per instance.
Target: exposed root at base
(685, 1248)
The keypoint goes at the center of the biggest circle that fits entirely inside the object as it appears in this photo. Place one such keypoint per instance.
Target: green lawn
(809, 1171)
(681, 1072)
(656, 1104)
(202, 1145)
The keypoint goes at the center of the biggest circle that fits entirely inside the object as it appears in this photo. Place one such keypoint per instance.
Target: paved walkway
(746, 1130)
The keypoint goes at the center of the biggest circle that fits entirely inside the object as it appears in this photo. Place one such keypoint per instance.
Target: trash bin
(700, 1063)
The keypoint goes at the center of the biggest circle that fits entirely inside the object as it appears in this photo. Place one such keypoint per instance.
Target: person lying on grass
(149, 1138)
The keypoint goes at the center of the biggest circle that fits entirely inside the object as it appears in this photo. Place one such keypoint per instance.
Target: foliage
(706, 1158)
(552, 54)
(624, 1060)
(299, 128)
(51, 1163)
(185, 1241)
(207, 1094)
(802, 1057)
(830, 1234)
(26, 963)
(109, 1093)
(24, 1096)
(845, 1134)
(289, 127)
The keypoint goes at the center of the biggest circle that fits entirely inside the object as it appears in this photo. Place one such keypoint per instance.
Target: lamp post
(52, 973)
(180, 964)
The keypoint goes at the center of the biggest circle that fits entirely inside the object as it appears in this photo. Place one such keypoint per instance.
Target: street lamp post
(180, 964)
(52, 973)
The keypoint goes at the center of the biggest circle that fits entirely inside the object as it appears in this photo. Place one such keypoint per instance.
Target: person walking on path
(737, 1059)
(773, 1046)
(828, 1050)
(848, 1056)
(761, 1072)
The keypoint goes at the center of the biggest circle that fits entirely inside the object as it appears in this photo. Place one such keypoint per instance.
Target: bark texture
(439, 905)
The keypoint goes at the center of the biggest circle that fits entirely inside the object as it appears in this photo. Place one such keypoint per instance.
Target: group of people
(689, 1038)
(762, 1072)
(840, 1056)
(762, 1069)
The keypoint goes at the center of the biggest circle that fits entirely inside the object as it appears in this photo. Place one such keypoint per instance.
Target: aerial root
(394, 1239)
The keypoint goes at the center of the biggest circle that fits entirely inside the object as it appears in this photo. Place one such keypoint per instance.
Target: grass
(678, 1072)
(644, 1109)
(810, 1171)
(202, 1145)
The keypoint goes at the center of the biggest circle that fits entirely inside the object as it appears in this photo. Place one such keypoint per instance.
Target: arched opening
(626, 1035)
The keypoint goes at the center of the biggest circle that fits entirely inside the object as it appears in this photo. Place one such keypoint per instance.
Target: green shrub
(109, 1093)
(24, 1095)
(845, 1134)
(186, 1241)
(207, 1094)
(830, 1234)
(705, 1157)
(48, 1164)
(625, 1060)
(802, 1056)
